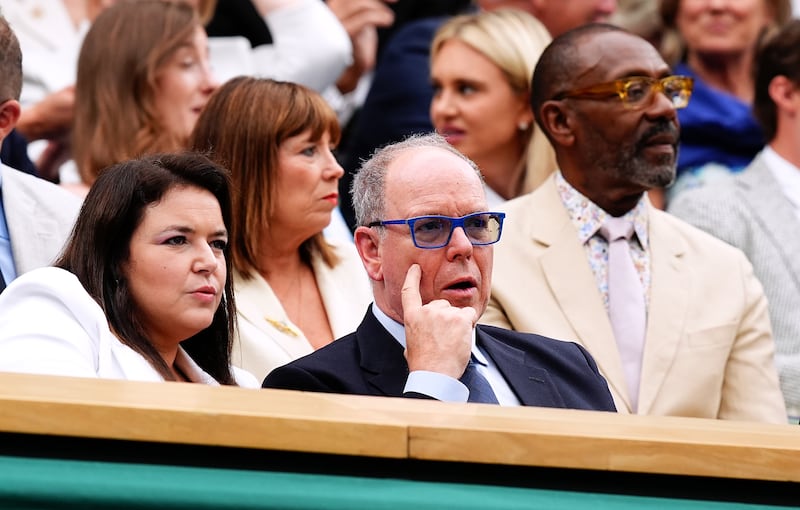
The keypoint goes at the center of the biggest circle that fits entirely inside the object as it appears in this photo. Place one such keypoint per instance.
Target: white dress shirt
(787, 175)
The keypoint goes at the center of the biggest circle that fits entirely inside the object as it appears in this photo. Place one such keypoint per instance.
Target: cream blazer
(50, 325)
(708, 352)
(267, 338)
(39, 215)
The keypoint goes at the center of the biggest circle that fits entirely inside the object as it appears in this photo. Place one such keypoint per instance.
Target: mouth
(452, 134)
(462, 285)
(206, 293)
(333, 198)
(461, 292)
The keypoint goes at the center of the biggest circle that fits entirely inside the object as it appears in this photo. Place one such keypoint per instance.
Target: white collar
(787, 175)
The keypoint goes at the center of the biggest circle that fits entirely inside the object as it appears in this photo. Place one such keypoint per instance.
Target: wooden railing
(396, 428)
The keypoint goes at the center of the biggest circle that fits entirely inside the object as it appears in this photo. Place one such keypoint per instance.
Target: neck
(77, 11)
(280, 262)
(786, 147)
(730, 73)
(168, 352)
(504, 172)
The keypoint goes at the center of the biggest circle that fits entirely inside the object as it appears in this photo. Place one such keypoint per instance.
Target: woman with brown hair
(141, 290)
(295, 290)
(142, 90)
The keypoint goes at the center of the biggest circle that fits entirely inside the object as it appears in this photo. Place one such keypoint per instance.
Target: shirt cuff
(436, 385)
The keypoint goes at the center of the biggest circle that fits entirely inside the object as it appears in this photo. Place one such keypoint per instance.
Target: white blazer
(267, 338)
(50, 325)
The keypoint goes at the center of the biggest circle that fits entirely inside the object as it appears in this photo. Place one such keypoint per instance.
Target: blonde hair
(673, 46)
(513, 40)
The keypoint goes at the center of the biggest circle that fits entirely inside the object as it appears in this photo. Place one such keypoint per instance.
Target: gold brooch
(284, 328)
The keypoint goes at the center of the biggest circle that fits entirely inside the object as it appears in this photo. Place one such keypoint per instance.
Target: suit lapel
(668, 306)
(773, 213)
(569, 275)
(382, 361)
(530, 383)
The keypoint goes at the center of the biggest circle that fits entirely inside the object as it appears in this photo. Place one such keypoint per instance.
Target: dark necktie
(479, 388)
(2, 282)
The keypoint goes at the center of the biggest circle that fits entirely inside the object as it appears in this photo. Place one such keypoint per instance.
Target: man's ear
(9, 115)
(557, 120)
(784, 93)
(369, 249)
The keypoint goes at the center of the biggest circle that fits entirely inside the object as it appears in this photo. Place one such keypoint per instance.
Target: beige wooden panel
(397, 428)
(194, 414)
(595, 440)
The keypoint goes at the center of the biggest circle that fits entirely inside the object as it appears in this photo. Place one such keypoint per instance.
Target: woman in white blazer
(295, 291)
(141, 290)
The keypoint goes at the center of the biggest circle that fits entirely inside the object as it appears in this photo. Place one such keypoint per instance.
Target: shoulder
(52, 284)
(44, 193)
(712, 201)
(327, 369)
(51, 280)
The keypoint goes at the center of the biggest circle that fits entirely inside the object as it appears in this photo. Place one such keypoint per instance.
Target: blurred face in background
(474, 106)
(722, 27)
(558, 16)
(184, 85)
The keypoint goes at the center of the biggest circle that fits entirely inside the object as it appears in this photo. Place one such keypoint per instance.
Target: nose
(208, 82)
(206, 260)
(442, 105)
(607, 7)
(661, 106)
(459, 245)
(333, 170)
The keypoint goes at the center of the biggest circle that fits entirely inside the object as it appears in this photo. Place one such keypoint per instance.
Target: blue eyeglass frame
(454, 223)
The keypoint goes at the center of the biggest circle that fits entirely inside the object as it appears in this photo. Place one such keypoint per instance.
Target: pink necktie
(626, 306)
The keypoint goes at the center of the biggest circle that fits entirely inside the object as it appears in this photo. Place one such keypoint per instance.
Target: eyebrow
(183, 229)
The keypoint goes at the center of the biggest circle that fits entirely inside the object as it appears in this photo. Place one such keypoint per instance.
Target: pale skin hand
(438, 335)
(361, 19)
(50, 118)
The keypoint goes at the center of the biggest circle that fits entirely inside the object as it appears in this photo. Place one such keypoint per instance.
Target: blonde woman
(481, 68)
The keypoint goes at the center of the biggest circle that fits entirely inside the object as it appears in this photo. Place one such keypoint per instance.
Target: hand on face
(438, 335)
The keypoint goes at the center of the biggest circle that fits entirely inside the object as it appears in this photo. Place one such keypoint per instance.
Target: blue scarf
(716, 127)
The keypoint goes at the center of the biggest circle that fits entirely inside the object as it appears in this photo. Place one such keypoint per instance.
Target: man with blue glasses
(426, 241)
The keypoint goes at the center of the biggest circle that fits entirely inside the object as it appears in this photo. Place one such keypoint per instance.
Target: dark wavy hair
(780, 56)
(99, 247)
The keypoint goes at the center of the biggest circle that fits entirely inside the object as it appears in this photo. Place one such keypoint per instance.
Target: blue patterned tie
(479, 388)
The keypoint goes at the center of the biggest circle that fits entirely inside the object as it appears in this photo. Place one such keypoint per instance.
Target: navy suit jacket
(541, 371)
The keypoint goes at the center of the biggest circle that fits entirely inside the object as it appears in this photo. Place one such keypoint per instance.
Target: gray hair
(368, 191)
